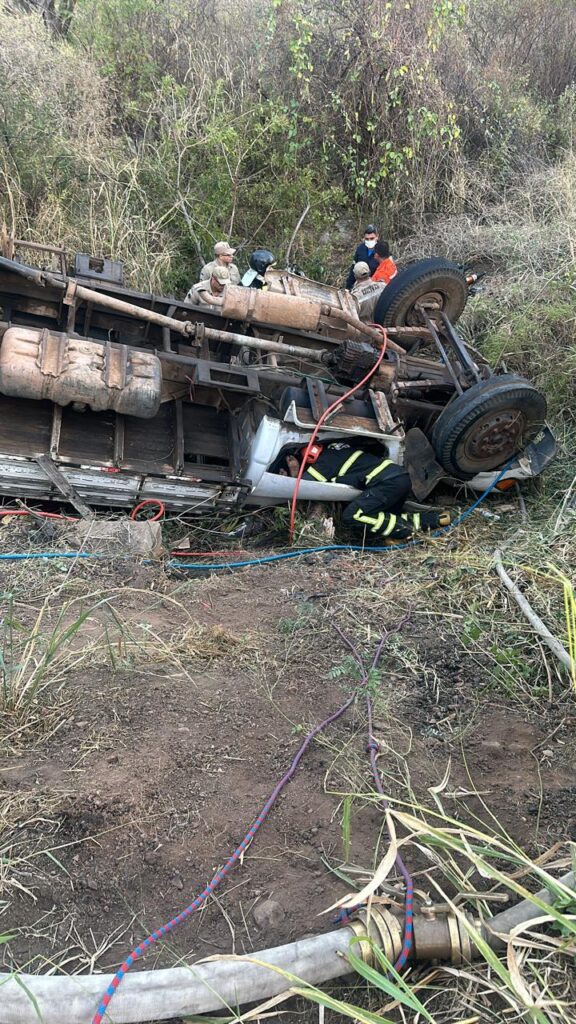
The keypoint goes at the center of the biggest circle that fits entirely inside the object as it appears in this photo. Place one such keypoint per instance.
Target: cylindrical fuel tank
(266, 307)
(45, 364)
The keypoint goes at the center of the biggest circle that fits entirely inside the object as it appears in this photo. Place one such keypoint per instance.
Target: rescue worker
(365, 253)
(385, 486)
(223, 255)
(210, 292)
(260, 261)
(366, 291)
(386, 268)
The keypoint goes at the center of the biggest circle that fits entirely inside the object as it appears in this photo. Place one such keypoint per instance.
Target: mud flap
(420, 461)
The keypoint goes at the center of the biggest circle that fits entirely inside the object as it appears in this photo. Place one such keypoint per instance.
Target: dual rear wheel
(491, 422)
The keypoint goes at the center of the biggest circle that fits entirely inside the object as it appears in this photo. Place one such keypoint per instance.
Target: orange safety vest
(385, 271)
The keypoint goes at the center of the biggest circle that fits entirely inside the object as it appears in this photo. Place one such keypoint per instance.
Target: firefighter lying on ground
(385, 486)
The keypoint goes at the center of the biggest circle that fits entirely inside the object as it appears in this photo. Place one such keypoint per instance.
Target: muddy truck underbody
(110, 396)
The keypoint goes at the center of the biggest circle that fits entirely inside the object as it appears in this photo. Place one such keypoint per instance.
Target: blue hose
(276, 558)
(49, 554)
(343, 547)
(24, 556)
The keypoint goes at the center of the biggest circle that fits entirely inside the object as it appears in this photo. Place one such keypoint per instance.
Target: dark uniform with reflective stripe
(384, 485)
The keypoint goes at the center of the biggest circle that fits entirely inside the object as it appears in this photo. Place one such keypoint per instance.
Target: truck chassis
(238, 389)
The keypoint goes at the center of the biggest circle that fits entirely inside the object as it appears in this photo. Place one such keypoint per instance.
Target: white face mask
(371, 244)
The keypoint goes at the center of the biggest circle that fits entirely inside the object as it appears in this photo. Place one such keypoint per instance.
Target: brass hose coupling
(439, 934)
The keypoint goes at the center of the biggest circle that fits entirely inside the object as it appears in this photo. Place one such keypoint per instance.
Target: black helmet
(261, 259)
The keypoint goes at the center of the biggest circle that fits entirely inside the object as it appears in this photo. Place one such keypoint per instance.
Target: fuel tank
(44, 364)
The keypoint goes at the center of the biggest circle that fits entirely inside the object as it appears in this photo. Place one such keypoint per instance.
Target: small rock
(177, 882)
(151, 857)
(268, 914)
(91, 883)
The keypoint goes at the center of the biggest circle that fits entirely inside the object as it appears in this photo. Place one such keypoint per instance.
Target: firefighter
(377, 511)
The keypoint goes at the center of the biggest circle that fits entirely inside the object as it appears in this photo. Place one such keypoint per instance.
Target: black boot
(431, 520)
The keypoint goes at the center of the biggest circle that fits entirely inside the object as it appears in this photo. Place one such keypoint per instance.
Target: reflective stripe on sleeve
(316, 475)
(414, 518)
(378, 469)
(347, 465)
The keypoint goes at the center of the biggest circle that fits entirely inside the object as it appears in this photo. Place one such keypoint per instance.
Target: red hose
(75, 519)
(42, 515)
(144, 504)
(323, 419)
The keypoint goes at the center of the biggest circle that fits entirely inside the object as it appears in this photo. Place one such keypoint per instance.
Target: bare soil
(158, 767)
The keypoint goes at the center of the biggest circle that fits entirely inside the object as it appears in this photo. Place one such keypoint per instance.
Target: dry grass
(59, 623)
(527, 233)
(26, 823)
(445, 585)
(455, 600)
(46, 648)
(51, 643)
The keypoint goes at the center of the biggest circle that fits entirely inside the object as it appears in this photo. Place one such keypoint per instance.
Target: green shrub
(146, 129)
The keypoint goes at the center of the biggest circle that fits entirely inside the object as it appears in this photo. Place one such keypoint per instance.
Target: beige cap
(361, 270)
(223, 249)
(221, 274)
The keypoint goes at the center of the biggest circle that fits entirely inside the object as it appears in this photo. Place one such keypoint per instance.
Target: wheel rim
(491, 440)
(413, 317)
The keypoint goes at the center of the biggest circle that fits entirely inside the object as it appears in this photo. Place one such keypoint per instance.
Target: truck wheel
(487, 425)
(431, 280)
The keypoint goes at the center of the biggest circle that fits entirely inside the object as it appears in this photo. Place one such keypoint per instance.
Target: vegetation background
(148, 129)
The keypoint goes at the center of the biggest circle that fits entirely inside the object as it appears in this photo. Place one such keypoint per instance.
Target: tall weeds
(147, 131)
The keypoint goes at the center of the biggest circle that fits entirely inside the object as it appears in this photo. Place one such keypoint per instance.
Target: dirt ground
(166, 749)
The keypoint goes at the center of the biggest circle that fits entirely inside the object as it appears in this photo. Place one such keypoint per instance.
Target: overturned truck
(109, 396)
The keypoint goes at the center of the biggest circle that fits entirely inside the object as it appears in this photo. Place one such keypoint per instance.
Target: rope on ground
(372, 748)
(146, 503)
(221, 874)
(23, 556)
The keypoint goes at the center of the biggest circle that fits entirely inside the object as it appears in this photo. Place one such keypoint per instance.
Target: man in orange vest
(386, 268)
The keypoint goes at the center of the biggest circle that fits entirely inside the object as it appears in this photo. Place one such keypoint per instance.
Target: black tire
(431, 280)
(486, 426)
